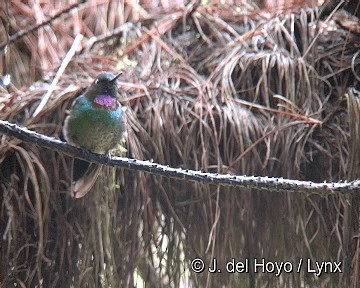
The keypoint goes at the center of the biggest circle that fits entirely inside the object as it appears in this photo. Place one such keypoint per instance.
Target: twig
(321, 29)
(256, 182)
(61, 70)
(160, 27)
(121, 29)
(259, 140)
(18, 35)
(306, 119)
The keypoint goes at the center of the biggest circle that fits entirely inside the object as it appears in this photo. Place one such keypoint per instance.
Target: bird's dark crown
(105, 78)
(104, 83)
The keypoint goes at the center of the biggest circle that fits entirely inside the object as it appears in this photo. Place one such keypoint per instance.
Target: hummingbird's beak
(116, 77)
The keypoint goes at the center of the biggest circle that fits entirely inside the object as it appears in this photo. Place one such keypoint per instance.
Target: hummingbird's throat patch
(105, 101)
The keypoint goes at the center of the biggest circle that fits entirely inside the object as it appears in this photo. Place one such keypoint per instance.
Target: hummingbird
(96, 123)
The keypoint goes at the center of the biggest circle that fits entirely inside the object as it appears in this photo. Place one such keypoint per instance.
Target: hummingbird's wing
(82, 186)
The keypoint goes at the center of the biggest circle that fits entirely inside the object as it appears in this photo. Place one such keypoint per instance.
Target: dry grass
(215, 89)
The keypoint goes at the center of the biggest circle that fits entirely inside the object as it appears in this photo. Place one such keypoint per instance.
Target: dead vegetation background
(213, 87)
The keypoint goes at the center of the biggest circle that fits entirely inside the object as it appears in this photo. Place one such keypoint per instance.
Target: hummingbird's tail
(83, 185)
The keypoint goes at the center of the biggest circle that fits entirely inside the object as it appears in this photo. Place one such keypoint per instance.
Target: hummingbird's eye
(96, 80)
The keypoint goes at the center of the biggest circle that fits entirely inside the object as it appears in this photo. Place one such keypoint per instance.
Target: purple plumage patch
(105, 101)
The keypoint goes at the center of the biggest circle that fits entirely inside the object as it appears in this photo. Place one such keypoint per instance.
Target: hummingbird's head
(104, 84)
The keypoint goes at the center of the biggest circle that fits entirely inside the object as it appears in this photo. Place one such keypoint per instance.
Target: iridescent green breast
(94, 127)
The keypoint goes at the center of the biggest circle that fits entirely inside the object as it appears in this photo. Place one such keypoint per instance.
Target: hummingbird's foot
(85, 152)
(108, 157)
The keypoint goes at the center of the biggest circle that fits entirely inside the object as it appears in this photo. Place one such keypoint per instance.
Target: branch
(22, 33)
(257, 182)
